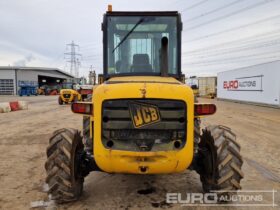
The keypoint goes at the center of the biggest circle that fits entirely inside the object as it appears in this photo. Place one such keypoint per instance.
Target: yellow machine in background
(68, 96)
(77, 93)
(142, 119)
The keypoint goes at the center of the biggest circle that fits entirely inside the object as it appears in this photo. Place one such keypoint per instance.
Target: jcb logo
(143, 114)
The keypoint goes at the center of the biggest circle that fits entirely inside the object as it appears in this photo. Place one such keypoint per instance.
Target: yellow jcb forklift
(71, 93)
(142, 119)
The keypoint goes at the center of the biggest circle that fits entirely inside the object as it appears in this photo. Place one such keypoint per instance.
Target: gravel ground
(24, 138)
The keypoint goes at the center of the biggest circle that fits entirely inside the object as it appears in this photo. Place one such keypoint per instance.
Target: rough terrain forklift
(142, 119)
(72, 93)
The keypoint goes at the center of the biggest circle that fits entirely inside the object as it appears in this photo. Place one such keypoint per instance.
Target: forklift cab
(133, 43)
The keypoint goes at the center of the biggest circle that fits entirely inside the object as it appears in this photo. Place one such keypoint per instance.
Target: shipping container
(207, 86)
(257, 84)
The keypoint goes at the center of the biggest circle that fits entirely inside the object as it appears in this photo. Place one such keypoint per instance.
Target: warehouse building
(10, 77)
(254, 84)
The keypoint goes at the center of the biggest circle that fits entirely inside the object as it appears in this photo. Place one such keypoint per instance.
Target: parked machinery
(27, 88)
(71, 93)
(142, 119)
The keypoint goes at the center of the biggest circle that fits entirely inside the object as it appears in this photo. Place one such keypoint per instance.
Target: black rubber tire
(60, 101)
(226, 160)
(64, 182)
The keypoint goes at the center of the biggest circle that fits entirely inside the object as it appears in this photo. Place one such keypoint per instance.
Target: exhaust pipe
(164, 57)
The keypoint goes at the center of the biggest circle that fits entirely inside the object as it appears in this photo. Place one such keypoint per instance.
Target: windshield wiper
(133, 28)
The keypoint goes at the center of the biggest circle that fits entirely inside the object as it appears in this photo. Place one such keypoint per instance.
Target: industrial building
(254, 84)
(11, 75)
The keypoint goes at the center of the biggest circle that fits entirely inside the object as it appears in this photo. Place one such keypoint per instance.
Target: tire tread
(59, 165)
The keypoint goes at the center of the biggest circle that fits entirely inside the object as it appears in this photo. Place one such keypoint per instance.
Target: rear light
(82, 108)
(204, 109)
(85, 92)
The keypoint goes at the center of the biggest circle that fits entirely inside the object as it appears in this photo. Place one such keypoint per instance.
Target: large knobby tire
(65, 183)
(60, 101)
(225, 161)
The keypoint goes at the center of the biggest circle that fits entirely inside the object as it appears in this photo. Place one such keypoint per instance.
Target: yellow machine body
(154, 162)
(69, 95)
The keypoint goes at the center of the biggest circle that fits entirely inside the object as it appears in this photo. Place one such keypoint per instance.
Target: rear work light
(204, 109)
(82, 108)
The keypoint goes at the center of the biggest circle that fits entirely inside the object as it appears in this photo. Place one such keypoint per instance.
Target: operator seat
(141, 63)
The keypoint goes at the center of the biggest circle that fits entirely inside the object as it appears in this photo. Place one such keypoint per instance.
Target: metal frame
(121, 13)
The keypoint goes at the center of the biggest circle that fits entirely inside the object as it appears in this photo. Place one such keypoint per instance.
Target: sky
(218, 35)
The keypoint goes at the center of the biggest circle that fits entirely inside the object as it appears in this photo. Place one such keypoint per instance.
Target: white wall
(259, 84)
(7, 74)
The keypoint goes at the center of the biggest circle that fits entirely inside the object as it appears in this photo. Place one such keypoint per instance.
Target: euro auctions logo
(231, 84)
(252, 83)
(248, 198)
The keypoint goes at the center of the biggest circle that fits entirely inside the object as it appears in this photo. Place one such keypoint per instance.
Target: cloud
(23, 62)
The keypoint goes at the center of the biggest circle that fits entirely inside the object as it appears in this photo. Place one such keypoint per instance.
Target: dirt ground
(24, 138)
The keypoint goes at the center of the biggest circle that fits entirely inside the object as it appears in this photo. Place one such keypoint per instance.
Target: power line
(74, 59)
(91, 46)
(229, 67)
(250, 38)
(93, 55)
(93, 59)
(195, 5)
(234, 59)
(91, 52)
(230, 14)
(242, 48)
(89, 43)
(234, 29)
(213, 11)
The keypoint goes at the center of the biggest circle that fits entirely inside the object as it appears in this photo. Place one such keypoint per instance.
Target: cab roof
(143, 13)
